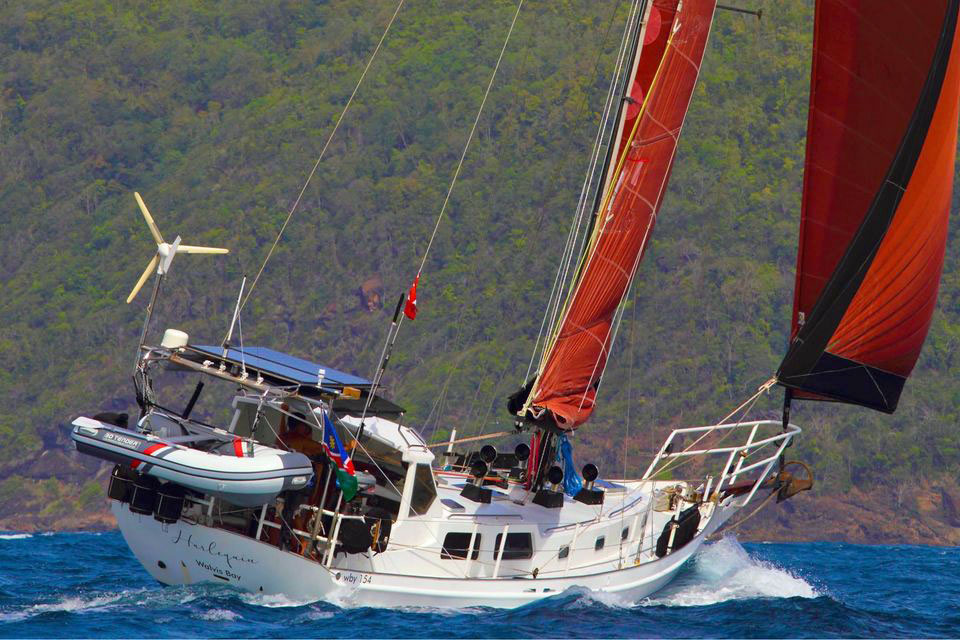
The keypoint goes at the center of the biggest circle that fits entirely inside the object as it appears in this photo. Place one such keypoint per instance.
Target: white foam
(317, 615)
(587, 598)
(725, 571)
(219, 614)
(273, 600)
(72, 605)
(15, 536)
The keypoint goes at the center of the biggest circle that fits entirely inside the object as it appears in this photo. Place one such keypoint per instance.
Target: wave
(15, 536)
(581, 597)
(724, 571)
(273, 601)
(219, 615)
(74, 604)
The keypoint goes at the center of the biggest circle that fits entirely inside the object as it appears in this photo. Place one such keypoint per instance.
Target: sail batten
(878, 181)
(665, 71)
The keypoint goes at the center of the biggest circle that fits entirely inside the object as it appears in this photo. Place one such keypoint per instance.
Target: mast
(635, 37)
(663, 74)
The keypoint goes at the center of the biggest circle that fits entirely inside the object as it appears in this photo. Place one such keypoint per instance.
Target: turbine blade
(186, 248)
(149, 219)
(151, 267)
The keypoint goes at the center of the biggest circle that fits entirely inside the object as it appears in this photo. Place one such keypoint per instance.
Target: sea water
(90, 585)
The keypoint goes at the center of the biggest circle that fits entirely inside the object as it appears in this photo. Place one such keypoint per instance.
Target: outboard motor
(144, 496)
(169, 504)
(474, 490)
(551, 498)
(522, 453)
(589, 495)
(121, 483)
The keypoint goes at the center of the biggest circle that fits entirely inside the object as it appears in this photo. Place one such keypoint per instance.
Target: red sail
(881, 145)
(665, 76)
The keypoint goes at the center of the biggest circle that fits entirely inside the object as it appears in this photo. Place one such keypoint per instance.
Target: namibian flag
(346, 475)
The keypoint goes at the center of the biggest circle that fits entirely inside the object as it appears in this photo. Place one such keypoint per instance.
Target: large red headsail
(881, 145)
(666, 71)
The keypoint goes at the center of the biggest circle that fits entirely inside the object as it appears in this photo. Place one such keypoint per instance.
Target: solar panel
(285, 366)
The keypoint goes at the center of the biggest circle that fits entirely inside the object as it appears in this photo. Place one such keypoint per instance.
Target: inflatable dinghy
(243, 473)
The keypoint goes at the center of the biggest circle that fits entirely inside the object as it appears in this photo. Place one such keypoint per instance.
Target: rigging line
(577, 221)
(413, 510)
(488, 436)
(590, 251)
(746, 405)
(323, 152)
(567, 262)
(441, 400)
(493, 398)
(473, 129)
(399, 323)
(576, 241)
(626, 434)
(395, 331)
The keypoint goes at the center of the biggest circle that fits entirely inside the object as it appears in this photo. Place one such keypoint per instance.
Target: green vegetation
(215, 113)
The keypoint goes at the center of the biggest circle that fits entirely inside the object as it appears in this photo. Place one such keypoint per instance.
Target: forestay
(666, 62)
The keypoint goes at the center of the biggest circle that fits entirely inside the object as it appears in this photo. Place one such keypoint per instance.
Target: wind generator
(159, 263)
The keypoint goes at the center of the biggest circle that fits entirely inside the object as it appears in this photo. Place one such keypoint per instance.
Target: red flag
(410, 309)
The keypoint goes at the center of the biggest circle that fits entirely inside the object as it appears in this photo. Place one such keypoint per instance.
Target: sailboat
(315, 488)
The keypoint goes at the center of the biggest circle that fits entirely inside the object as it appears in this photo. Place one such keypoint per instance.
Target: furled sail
(667, 55)
(881, 144)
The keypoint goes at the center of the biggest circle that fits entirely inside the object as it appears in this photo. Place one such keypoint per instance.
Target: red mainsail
(665, 67)
(881, 146)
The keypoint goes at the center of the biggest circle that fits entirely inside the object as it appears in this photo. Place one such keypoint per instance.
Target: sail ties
(323, 152)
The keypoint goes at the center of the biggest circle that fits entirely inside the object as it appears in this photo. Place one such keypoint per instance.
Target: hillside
(215, 113)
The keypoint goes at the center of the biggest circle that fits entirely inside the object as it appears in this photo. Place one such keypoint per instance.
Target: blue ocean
(89, 585)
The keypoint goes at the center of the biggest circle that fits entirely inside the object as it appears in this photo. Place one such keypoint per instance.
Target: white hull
(193, 553)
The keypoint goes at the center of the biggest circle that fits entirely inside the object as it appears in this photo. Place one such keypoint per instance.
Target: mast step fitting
(477, 494)
(589, 496)
(549, 499)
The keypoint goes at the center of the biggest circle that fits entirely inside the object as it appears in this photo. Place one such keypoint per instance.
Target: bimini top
(280, 369)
